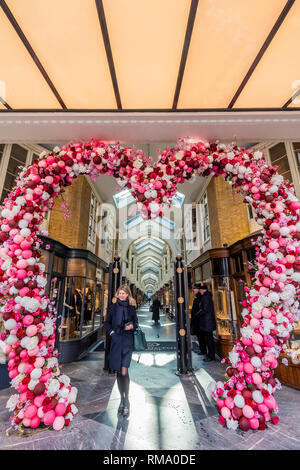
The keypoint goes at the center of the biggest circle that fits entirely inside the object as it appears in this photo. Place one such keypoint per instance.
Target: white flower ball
(11, 339)
(73, 395)
(13, 290)
(25, 232)
(21, 201)
(36, 373)
(239, 401)
(257, 396)
(296, 277)
(31, 261)
(5, 213)
(256, 362)
(21, 367)
(10, 324)
(274, 297)
(273, 189)
(271, 257)
(284, 231)
(23, 223)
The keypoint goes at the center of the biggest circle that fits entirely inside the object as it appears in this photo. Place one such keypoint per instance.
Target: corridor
(167, 412)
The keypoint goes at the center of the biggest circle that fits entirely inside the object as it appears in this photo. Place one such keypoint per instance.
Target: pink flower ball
(23, 397)
(28, 320)
(48, 180)
(248, 411)
(228, 402)
(240, 387)
(267, 416)
(26, 422)
(33, 352)
(24, 355)
(60, 409)
(25, 245)
(18, 239)
(21, 274)
(31, 411)
(240, 366)
(257, 378)
(248, 368)
(254, 323)
(39, 362)
(38, 401)
(257, 338)
(24, 291)
(58, 423)
(13, 373)
(22, 264)
(27, 254)
(35, 422)
(49, 417)
(220, 403)
(31, 330)
(267, 281)
(246, 341)
(262, 408)
(254, 423)
(28, 368)
(225, 412)
(269, 341)
(270, 402)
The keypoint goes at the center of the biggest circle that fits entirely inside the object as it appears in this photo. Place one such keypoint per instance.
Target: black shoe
(121, 408)
(200, 353)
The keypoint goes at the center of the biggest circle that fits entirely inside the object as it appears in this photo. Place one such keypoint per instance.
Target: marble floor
(167, 412)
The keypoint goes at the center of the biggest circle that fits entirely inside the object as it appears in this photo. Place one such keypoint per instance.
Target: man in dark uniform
(195, 308)
(206, 323)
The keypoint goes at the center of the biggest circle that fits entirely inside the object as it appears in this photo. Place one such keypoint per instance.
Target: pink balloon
(225, 412)
(28, 368)
(28, 320)
(33, 352)
(257, 378)
(49, 417)
(58, 423)
(257, 338)
(26, 422)
(38, 401)
(31, 411)
(31, 330)
(22, 264)
(60, 409)
(248, 411)
(246, 341)
(35, 422)
(21, 274)
(27, 254)
(220, 402)
(39, 362)
(249, 368)
(254, 423)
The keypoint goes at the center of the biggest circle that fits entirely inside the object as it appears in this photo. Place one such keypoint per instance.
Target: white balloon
(36, 373)
(10, 324)
(11, 339)
(239, 401)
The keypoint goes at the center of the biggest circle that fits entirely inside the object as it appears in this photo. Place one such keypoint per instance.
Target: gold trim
(182, 332)
(180, 300)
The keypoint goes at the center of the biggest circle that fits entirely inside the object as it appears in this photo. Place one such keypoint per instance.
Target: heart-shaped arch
(44, 394)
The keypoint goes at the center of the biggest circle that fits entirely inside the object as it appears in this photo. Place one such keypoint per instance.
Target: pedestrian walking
(156, 306)
(120, 324)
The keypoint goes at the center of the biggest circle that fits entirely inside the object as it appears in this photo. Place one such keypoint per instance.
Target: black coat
(121, 346)
(195, 309)
(155, 309)
(206, 319)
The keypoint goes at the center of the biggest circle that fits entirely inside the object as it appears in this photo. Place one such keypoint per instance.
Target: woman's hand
(129, 327)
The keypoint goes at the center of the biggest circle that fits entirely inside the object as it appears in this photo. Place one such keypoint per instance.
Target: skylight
(123, 198)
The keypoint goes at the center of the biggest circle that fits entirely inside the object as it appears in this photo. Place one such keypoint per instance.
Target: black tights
(123, 385)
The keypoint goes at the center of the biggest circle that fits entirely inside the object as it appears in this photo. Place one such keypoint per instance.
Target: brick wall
(228, 216)
(73, 231)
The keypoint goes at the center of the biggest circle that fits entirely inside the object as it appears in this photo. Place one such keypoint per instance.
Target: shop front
(77, 287)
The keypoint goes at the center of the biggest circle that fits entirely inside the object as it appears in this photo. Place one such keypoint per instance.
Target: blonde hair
(126, 289)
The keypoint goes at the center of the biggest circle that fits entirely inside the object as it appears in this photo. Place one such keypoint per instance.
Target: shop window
(16, 160)
(238, 263)
(278, 156)
(206, 274)
(72, 307)
(88, 306)
(205, 221)
(225, 308)
(220, 267)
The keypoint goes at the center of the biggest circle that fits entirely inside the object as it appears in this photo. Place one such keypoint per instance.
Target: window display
(224, 308)
(72, 308)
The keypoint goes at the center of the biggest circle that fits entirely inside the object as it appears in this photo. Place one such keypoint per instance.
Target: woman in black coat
(155, 309)
(120, 324)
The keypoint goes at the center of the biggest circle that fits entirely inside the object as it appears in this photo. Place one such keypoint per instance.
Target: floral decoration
(246, 398)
